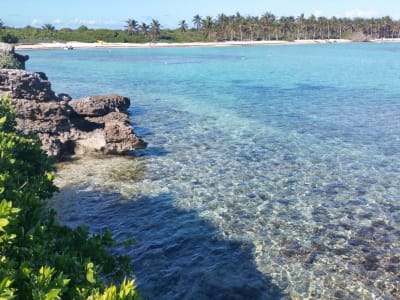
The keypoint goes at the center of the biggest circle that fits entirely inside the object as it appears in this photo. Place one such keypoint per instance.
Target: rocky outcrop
(65, 126)
(9, 50)
(19, 84)
(97, 106)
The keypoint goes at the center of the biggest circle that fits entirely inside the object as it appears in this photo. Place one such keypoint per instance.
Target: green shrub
(39, 258)
(9, 38)
(9, 62)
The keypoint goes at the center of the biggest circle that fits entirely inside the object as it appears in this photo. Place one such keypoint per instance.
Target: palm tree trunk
(328, 31)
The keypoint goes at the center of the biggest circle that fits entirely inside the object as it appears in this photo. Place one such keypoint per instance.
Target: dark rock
(98, 106)
(20, 84)
(64, 126)
(64, 97)
(43, 117)
(394, 268)
(371, 262)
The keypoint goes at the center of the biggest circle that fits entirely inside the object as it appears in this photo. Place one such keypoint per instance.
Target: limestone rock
(20, 84)
(97, 106)
(44, 117)
(110, 134)
(65, 126)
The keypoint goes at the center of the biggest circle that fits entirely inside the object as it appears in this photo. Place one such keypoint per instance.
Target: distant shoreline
(80, 45)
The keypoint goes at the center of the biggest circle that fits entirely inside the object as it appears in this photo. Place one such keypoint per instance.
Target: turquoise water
(271, 172)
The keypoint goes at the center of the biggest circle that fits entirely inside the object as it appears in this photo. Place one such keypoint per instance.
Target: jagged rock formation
(65, 126)
(9, 50)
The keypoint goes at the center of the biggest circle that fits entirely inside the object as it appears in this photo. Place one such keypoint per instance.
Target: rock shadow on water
(177, 254)
(180, 255)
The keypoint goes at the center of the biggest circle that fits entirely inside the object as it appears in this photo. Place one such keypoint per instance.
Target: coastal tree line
(270, 27)
(220, 28)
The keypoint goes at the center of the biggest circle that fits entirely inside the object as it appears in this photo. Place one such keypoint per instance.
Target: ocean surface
(272, 172)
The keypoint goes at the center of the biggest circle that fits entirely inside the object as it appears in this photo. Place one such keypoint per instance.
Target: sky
(114, 13)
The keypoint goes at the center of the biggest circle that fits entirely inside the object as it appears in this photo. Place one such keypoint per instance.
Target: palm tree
(132, 26)
(48, 27)
(291, 23)
(155, 29)
(222, 24)
(300, 25)
(231, 28)
(239, 20)
(252, 27)
(208, 24)
(283, 26)
(197, 21)
(267, 21)
(1, 24)
(387, 26)
(183, 27)
(312, 24)
(144, 29)
(336, 28)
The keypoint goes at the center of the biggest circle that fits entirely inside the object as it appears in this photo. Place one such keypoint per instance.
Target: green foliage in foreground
(39, 258)
(9, 62)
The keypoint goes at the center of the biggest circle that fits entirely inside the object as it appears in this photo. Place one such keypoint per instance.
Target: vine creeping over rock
(39, 258)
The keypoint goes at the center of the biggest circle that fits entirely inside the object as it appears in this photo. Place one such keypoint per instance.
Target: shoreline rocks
(95, 124)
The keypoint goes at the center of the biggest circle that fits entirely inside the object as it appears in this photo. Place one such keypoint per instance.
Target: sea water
(271, 172)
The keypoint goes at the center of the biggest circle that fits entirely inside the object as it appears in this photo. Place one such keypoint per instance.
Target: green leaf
(53, 294)
(90, 273)
(3, 120)
(3, 223)
(49, 176)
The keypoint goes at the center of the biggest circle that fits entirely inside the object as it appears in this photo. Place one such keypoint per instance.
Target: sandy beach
(80, 45)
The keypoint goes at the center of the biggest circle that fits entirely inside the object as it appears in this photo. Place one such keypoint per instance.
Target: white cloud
(76, 22)
(57, 22)
(359, 13)
(92, 23)
(317, 13)
(36, 22)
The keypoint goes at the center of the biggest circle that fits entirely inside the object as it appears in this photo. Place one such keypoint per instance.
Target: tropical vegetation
(39, 258)
(220, 28)
(9, 62)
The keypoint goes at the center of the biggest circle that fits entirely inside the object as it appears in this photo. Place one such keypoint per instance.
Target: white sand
(79, 45)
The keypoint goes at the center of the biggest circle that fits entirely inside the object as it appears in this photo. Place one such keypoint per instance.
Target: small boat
(68, 47)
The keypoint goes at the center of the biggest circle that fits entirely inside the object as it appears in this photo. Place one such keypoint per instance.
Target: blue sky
(114, 13)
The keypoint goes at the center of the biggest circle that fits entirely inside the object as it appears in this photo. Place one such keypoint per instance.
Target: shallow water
(271, 172)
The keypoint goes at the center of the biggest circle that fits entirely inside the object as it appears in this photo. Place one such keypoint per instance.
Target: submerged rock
(65, 126)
